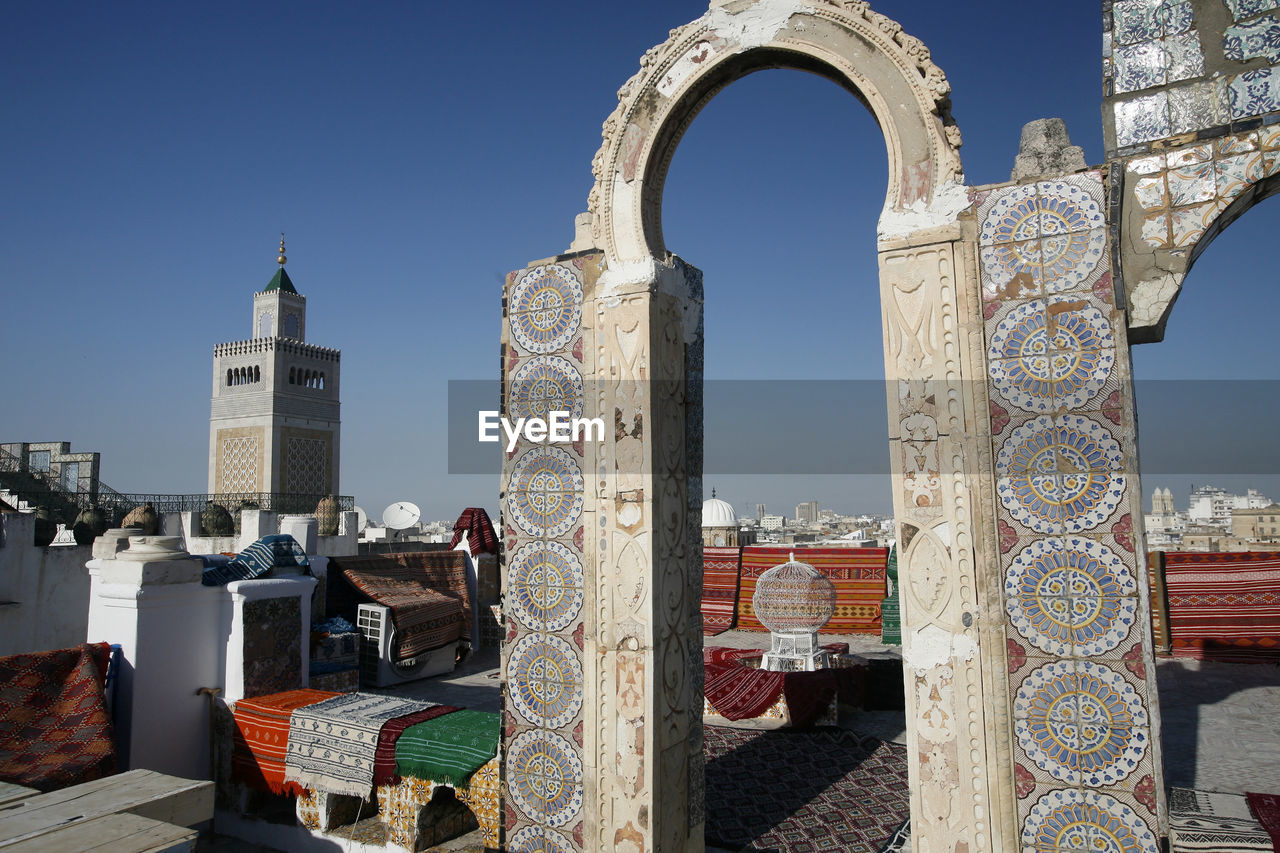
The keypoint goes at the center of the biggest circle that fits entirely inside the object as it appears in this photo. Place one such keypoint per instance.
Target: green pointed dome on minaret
(280, 281)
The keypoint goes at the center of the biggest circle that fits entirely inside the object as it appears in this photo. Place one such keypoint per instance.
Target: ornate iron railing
(117, 503)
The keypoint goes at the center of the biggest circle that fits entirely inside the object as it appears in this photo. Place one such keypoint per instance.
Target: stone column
(940, 461)
(268, 646)
(602, 661)
(148, 598)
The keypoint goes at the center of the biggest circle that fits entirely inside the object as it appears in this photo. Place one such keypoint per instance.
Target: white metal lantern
(794, 600)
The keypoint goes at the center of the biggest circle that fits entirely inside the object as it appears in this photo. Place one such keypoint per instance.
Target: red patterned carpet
(719, 588)
(1224, 606)
(54, 727)
(822, 791)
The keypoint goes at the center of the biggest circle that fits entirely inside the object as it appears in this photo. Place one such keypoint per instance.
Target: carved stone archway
(601, 666)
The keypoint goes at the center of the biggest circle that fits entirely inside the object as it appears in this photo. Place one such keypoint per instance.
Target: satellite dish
(362, 519)
(400, 515)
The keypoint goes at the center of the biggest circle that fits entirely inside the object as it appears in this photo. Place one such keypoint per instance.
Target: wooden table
(140, 811)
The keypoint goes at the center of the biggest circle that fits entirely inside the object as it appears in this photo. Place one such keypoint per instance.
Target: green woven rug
(448, 749)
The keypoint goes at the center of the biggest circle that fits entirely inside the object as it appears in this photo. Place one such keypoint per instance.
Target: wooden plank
(10, 792)
(117, 833)
(146, 793)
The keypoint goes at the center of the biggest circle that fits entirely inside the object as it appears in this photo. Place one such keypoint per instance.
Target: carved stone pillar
(937, 425)
(602, 662)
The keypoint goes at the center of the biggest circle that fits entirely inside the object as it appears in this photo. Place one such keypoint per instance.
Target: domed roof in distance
(718, 513)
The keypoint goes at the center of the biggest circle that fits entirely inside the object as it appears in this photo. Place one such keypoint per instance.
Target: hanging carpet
(55, 730)
(262, 737)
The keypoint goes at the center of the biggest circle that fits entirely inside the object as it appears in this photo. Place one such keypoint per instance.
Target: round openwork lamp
(794, 600)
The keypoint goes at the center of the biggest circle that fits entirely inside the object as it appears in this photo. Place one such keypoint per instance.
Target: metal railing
(117, 504)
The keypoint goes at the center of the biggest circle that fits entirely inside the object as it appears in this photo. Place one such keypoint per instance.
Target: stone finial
(582, 237)
(1046, 150)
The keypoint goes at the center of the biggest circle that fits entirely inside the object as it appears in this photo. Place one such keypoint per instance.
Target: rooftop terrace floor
(1219, 731)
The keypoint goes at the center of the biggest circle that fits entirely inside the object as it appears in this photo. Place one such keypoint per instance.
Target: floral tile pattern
(1248, 8)
(1260, 38)
(544, 570)
(1142, 119)
(1255, 92)
(1071, 594)
(1183, 192)
(545, 308)
(1072, 819)
(544, 586)
(1084, 722)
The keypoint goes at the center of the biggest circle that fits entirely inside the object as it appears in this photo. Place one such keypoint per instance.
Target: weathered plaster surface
(757, 24)
(948, 201)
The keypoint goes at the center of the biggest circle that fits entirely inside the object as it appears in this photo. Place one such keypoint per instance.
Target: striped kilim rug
(1210, 822)
(803, 792)
(384, 759)
(1224, 606)
(262, 737)
(448, 749)
(720, 568)
(333, 744)
(858, 575)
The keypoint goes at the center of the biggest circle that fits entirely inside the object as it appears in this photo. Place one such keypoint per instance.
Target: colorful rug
(720, 568)
(738, 692)
(448, 749)
(1210, 822)
(256, 560)
(333, 744)
(819, 790)
(1224, 606)
(1266, 808)
(858, 575)
(417, 587)
(262, 737)
(474, 524)
(384, 758)
(55, 730)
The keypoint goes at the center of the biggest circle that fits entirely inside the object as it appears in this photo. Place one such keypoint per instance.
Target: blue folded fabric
(269, 552)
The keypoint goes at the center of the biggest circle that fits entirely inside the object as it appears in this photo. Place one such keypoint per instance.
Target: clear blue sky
(415, 152)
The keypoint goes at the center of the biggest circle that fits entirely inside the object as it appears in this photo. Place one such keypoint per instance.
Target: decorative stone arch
(1168, 227)
(602, 540)
(845, 41)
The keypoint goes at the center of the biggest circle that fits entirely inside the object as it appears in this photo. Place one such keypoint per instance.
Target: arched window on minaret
(228, 377)
(257, 373)
(293, 375)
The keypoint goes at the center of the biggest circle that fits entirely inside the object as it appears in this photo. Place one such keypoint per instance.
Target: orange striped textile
(262, 738)
(1224, 606)
(858, 575)
(719, 588)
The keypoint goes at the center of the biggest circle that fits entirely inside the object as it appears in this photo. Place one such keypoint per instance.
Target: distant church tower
(274, 422)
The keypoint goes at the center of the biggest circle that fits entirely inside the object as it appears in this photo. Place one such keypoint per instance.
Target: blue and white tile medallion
(536, 839)
(1054, 474)
(544, 777)
(545, 585)
(1040, 370)
(1083, 723)
(1071, 596)
(543, 384)
(546, 680)
(546, 308)
(1013, 218)
(1086, 820)
(545, 492)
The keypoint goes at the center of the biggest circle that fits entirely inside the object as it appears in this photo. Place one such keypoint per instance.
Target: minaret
(275, 422)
